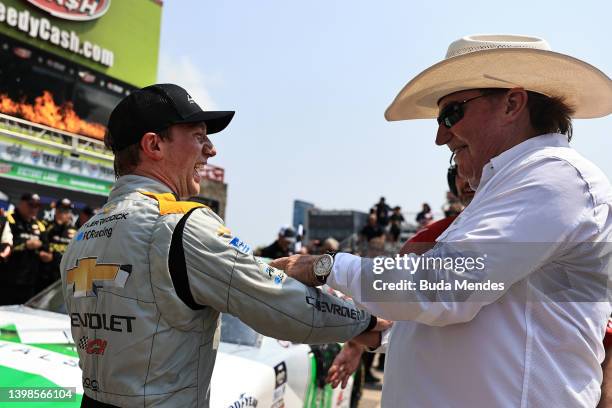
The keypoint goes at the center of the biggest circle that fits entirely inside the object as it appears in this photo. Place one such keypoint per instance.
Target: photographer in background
(283, 246)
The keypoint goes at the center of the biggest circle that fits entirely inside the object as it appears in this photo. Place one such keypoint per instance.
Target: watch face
(323, 265)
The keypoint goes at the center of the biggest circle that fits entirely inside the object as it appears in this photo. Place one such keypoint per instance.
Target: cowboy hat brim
(584, 87)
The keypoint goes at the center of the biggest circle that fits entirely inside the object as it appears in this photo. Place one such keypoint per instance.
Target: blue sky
(310, 81)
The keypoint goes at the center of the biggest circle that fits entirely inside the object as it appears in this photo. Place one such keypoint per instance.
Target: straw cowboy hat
(505, 61)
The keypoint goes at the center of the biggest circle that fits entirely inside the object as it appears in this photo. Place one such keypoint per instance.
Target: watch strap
(322, 279)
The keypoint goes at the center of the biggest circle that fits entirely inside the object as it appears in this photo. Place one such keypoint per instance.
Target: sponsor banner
(119, 38)
(24, 172)
(56, 162)
(78, 10)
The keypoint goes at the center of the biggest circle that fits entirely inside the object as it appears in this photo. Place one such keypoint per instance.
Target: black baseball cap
(30, 197)
(64, 205)
(288, 233)
(155, 108)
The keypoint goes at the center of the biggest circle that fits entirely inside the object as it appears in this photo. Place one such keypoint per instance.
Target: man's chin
(472, 178)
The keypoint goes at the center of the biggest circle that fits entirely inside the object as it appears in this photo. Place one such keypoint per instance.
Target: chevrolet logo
(87, 272)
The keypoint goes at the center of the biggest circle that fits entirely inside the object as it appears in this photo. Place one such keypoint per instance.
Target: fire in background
(45, 111)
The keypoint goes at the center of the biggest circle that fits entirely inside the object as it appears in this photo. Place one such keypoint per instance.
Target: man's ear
(515, 104)
(150, 145)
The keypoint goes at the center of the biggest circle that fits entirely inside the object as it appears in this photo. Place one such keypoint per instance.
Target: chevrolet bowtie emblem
(84, 276)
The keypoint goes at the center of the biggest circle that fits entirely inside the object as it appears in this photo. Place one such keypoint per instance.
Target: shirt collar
(131, 183)
(499, 162)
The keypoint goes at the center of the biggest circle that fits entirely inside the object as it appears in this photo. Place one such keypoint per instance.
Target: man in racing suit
(55, 241)
(146, 278)
(22, 269)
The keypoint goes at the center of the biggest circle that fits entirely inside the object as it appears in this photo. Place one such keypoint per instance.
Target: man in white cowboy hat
(540, 220)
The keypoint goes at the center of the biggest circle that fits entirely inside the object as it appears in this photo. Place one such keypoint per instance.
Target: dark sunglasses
(453, 112)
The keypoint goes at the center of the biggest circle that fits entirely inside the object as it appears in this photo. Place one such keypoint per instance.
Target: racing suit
(144, 282)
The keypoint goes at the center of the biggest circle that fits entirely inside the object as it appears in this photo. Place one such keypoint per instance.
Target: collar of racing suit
(127, 184)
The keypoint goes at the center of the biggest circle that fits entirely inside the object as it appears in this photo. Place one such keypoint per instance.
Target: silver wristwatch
(323, 266)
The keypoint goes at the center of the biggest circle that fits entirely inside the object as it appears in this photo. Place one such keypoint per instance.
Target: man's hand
(299, 267)
(4, 254)
(345, 364)
(381, 325)
(45, 257)
(348, 360)
(33, 243)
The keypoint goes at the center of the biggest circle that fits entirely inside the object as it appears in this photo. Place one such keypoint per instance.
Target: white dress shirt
(497, 349)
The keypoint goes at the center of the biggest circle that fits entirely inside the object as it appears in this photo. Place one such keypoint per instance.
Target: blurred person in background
(372, 238)
(396, 223)
(382, 210)
(315, 246)
(460, 187)
(48, 215)
(452, 209)
(372, 229)
(84, 215)
(55, 241)
(6, 239)
(19, 282)
(330, 245)
(425, 216)
(282, 246)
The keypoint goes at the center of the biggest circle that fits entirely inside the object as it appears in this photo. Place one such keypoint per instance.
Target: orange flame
(45, 111)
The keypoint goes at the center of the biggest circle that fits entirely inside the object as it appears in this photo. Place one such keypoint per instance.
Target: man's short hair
(550, 114)
(128, 158)
(547, 114)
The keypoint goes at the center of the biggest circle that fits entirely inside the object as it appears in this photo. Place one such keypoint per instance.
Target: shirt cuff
(346, 266)
(384, 342)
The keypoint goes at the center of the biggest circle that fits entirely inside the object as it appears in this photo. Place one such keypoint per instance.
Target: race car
(37, 352)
